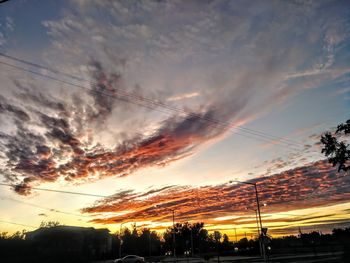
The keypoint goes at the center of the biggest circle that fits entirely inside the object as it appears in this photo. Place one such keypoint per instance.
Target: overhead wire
(41, 207)
(160, 104)
(54, 190)
(142, 102)
(18, 224)
(275, 139)
(85, 194)
(127, 100)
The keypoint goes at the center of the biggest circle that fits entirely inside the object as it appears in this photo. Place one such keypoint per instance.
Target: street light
(150, 242)
(192, 240)
(258, 209)
(256, 216)
(174, 240)
(257, 220)
(257, 226)
(120, 240)
(236, 235)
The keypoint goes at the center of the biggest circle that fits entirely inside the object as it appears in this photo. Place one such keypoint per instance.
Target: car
(130, 259)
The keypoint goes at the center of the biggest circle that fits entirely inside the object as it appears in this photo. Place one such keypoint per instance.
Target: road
(305, 258)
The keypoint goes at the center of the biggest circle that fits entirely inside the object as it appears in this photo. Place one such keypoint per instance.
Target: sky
(158, 106)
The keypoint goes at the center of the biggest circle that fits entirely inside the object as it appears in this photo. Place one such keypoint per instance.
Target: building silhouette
(70, 242)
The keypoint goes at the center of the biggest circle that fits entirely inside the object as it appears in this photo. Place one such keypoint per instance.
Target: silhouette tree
(130, 240)
(183, 232)
(217, 236)
(149, 242)
(337, 151)
(60, 248)
(226, 240)
(49, 224)
(226, 244)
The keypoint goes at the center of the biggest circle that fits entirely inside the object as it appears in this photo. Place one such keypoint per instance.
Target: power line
(18, 224)
(134, 96)
(39, 66)
(77, 85)
(56, 191)
(41, 207)
(157, 103)
(126, 100)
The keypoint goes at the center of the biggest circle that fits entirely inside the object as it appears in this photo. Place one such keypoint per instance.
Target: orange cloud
(317, 184)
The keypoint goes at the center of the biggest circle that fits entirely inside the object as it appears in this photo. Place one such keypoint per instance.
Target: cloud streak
(317, 184)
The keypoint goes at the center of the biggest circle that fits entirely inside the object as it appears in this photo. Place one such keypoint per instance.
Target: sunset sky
(159, 105)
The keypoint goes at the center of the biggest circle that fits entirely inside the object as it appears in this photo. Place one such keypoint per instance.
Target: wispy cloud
(183, 96)
(42, 214)
(6, 27)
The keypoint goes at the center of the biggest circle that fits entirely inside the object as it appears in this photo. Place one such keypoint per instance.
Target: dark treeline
(145, 242)
(187, 236)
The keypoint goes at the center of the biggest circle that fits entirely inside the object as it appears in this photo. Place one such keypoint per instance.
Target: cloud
(142, 53)
(173, 48)
(210, 42)
(315, 185)
(42, 214)
(183, 96)
(54, 143)
(17, 112)
(6, 27)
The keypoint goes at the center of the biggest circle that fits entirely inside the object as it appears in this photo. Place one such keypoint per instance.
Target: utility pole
(257, 226)
(236, 235)
(261, 228)
(257, 221)
(120, 240)
(174, 241)
(192, 242)
(259, 214)
(150, 243)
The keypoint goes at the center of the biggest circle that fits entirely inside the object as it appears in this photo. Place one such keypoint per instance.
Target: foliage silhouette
(49, 224)
(145, 242)
(337, 151)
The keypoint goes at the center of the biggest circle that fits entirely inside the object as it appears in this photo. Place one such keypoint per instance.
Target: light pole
(236, 235)
(120, 240)
(257, 227)
(257, 220)
(150, 243)
(174, 239)
(259, 214)
(192, 240)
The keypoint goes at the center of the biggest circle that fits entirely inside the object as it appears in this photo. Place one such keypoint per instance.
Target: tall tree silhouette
(337, 151)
